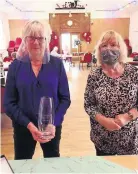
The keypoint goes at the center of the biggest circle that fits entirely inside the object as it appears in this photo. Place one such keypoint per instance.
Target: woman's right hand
(107, 123)
(111, 125)
(37, 135)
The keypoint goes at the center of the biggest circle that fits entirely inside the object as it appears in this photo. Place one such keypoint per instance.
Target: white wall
(133, 31)
(4, 19)
(22, 15)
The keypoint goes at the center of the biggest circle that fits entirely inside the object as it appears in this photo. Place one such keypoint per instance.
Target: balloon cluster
(54, 41)
(86, 36)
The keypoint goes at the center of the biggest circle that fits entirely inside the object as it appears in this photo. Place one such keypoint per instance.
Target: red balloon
(88, 33)
(84, 34)
(53, 33)
(88, 39)
(54, 40)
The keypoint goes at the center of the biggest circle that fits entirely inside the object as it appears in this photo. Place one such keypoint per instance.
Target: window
(65, 38)
(74, 38)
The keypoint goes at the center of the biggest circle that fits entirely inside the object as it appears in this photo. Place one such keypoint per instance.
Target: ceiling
(41, 8)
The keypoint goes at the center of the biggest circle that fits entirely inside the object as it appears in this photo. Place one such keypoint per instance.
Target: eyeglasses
(33, 38)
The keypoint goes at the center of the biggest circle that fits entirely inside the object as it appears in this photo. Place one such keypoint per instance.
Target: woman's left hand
(122, 119)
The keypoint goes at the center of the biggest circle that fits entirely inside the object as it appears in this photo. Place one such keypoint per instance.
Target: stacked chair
(14, 45)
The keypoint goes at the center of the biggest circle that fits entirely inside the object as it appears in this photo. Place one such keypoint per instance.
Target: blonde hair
(30, 28)
(105, 38)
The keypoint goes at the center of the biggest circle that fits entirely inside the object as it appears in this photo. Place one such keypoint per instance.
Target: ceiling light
(53, 15)
(86, 14)
(70, 15)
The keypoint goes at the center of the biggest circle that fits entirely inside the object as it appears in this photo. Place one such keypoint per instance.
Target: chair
(129, 48)
(8, 59)
(133, 54)
(11, 47)
(17, 43)
(87, 59)
(94, 60)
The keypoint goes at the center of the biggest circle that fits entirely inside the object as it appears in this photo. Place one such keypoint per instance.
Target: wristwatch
(130, 115)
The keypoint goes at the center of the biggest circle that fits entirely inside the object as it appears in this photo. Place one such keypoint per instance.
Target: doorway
(68, 42)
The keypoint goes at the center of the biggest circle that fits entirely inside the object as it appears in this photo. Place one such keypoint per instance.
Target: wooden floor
(76, 127)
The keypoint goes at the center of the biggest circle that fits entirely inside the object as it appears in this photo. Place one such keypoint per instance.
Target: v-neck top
(24, 90)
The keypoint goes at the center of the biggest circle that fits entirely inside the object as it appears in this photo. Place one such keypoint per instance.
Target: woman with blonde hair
(33, 75)
(111, 99)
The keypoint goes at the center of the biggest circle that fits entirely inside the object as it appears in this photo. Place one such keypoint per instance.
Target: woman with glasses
(111, 99)
(33, 75)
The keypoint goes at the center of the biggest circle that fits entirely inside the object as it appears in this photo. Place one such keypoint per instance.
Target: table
(88, 164)
(135, 63)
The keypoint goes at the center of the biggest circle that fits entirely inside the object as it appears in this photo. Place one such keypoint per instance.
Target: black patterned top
(111, 97)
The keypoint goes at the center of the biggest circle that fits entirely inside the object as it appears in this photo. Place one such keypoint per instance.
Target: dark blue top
(24, 90)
